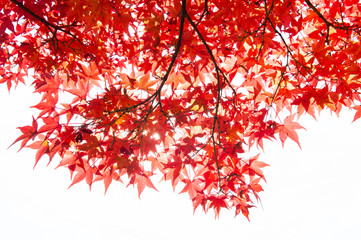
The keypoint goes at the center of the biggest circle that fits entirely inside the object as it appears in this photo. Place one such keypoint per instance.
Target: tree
(179, 88)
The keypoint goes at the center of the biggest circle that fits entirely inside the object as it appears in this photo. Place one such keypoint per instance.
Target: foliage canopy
(178, 88)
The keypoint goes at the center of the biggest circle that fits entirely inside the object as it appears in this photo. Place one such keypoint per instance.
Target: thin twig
(215, 118)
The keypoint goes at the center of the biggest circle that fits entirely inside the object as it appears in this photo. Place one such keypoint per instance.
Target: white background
(313, 193)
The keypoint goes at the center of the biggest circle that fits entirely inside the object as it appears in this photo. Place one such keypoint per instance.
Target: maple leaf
(288, 130)
(358, 113)
(141, 180)
(78, 178)
(256, 186)
(108, 177)
(90, 72)
(29, 133)
(81, 89)
(217, 203)
(42, 147)
(192, 187)
(145, 83)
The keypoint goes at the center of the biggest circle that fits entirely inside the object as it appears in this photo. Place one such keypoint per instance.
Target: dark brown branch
(289, 52)
(178, 46)
(282, 77)
(205, 11)
(26, 9)
(170, 67)
(215, 118)
(218, 69)
(328, 23)
(317, 12)
(52, 27)
(157, 95)
(264, 24)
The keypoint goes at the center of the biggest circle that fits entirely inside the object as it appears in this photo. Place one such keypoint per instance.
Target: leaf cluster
(180, 89)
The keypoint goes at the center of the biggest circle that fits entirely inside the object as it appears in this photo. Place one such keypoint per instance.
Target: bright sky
(313, 193)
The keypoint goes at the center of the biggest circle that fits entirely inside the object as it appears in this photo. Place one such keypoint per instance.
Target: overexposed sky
(313, 193)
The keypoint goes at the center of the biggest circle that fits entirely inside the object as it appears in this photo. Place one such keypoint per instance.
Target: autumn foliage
(181, 89)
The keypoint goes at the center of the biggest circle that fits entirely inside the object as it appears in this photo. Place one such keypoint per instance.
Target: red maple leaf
(288, 130)
(29, 133)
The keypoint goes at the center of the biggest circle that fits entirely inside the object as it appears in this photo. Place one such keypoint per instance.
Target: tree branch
(52, 27)
(215, 118)
(26, 9)
(328, 23)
